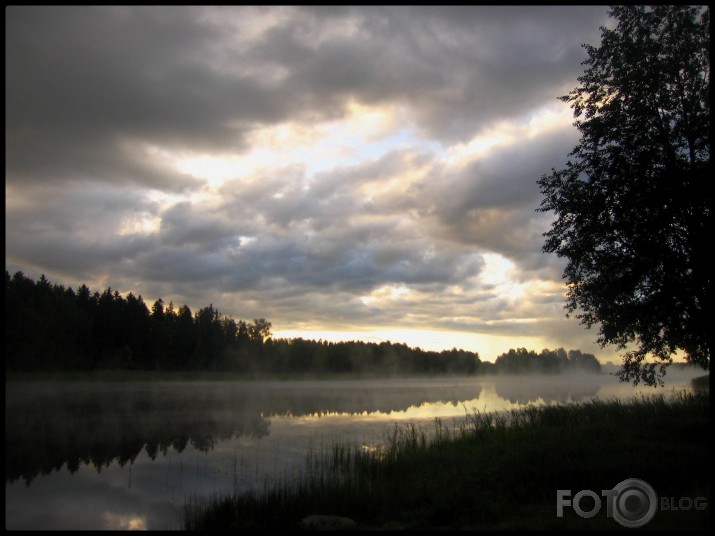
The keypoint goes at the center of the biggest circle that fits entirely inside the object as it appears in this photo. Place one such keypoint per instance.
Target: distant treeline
(548, 361)
(49, 327)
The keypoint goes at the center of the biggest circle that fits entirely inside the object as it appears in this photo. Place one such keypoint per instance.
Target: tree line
(522, 360)
(50, 327)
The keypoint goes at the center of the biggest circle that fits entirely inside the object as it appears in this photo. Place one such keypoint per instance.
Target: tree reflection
(530, 389)
(48, 427)
(54, 424)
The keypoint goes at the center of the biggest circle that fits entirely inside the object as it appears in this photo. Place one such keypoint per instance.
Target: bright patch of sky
(498, 272)
(487, 346)
(365, 133)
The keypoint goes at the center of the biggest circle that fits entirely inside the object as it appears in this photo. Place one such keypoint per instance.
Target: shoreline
(495, 474)
(125, 375)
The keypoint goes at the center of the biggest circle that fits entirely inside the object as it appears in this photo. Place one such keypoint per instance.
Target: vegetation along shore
(53, 329)
(497, 471)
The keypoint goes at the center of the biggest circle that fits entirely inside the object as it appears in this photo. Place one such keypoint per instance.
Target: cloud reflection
(49, 425)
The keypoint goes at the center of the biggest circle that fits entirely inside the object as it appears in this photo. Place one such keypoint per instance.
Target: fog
(144, 447)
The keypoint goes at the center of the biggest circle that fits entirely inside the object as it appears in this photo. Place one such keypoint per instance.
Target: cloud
(342, 166)
(87, 81)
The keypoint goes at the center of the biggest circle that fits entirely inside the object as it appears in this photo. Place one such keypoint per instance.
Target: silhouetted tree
(209, 338)
(582, 361)
(260, 330)
(553, 361)
(87, 306)
(19, 291)
(160, 330)
(43, 325)
(523, 361)
(633, 206)
(183, 340)
(50, 327)
(137, 333)
(228, 334)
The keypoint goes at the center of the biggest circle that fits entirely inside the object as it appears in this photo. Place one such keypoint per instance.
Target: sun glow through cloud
(364, 133)
(140, 224)
(497, 272)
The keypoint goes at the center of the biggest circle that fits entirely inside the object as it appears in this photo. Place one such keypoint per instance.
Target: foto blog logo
(632, 503)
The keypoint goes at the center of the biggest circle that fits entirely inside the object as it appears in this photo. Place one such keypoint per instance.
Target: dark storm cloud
(83, 80)
(74, 232)
(83, 83)
(505, 178)
(184, 225)
(490, 202)
(494, 62)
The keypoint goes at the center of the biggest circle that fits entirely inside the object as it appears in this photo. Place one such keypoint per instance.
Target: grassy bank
(495, 472)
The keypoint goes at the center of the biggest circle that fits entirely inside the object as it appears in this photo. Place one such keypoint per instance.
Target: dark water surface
(127, 455)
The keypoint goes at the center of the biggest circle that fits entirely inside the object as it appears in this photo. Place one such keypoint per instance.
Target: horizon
(428, 341)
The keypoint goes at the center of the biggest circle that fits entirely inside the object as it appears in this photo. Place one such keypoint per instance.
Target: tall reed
(489, 470)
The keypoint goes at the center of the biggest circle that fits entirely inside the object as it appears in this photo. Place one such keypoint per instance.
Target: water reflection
(531, 389)
(50, 426)
(134, 451)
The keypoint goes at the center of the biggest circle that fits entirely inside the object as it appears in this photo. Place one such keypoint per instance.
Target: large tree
(632, 205)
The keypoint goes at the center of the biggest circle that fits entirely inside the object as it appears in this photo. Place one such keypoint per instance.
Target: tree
(633, 206)
(209, 338)
(260, 330)
(183, 340)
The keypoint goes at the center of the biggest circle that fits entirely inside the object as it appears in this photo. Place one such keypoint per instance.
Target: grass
(493, 471)
(701, 383)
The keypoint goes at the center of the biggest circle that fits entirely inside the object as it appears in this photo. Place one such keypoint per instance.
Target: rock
(323, 522)
(393, 525)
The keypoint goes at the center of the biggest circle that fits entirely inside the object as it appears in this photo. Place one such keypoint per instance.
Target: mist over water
(121, 455)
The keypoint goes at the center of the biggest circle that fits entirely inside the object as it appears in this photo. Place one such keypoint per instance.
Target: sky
(348, 173)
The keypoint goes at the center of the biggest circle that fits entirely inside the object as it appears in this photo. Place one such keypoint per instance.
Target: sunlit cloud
(387, 294)
(480, 145)
(364, 132)
(140, 224)
(547, 119)
(497, 274)
(509, 134)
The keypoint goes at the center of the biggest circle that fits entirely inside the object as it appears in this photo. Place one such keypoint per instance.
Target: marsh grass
(492, 471)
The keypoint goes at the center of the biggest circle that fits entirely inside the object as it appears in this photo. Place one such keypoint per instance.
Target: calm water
(127, 455)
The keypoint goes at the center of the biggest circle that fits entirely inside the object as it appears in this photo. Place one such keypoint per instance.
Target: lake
(127, 455)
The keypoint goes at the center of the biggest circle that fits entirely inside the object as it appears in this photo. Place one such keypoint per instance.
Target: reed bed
(491, 470)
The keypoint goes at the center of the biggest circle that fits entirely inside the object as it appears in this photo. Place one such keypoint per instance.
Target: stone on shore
(323, 522)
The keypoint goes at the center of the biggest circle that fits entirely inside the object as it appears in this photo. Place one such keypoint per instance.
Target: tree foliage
(632, 205)
(50, 327)
(521, 361)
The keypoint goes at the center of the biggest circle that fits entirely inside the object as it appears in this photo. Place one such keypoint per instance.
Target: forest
(50, 327)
